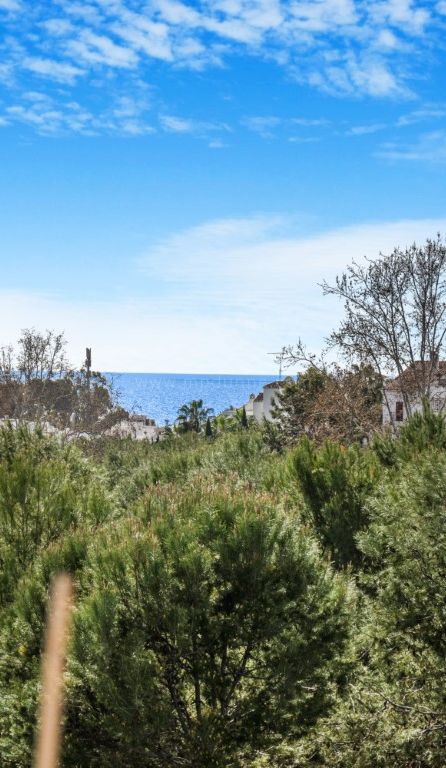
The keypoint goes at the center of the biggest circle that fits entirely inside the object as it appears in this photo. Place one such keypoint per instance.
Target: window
(399, 410)
(437, 404)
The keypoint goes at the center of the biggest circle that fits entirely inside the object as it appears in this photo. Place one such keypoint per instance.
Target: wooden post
(51, 702)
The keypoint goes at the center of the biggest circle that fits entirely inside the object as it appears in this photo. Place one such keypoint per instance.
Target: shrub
(335, 482)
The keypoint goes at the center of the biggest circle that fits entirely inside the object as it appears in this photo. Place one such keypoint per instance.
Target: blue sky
(176, 178)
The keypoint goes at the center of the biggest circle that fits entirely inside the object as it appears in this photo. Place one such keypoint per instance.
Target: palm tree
(192, 416)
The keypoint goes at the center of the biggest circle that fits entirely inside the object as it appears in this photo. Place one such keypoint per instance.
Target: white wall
(269, 401)
(438, 402)
(257, 410)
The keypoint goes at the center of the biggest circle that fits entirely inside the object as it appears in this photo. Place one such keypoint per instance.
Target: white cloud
(387, 41)
(58, 27)
(304, 139)
(10, 5)
(310, 122)
(50, 121)
(56, 70)
(237, 287)
(173, 124)
(264, 126)
(364, 130)
(344, 47)
(289, 31)
(83, 10)
(145, 35)
(99, 49)
(47, 117)
(403, 14)
(421, 115)
(430, 147)
(177, 124)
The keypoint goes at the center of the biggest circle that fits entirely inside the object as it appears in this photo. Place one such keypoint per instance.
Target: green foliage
(423, 431)
(21, 639)
(192, 416)
(296, 400)
(395, 711)
(231, 626)
(45, 490)
(335, 482)
(210, 628)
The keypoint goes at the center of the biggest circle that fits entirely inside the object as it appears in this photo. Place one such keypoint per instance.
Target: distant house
(270, 392)
(394, 407)
(229, 413)
(266, 401)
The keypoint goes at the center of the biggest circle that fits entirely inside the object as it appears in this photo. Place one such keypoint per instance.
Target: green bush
(335, 482)
(45, 490)
(212, 632)
(394, 713)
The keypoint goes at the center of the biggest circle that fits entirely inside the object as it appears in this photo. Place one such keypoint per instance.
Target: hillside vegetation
(235, 606)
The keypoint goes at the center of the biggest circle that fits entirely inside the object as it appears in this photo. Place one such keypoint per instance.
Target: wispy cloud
(52, 118)
(307, 122)
(364, 130)
(344, 47)
(429, 147)
(304, 139)
(182, 125)
(235, 280)
(264, 126)
(261, 263)
(10, 5)
(99, 49)
(425, 114)
(59, 71)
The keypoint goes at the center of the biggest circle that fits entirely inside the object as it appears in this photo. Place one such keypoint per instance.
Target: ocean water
(159, 395)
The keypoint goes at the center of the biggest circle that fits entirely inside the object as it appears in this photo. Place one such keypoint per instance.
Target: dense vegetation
(235, 605)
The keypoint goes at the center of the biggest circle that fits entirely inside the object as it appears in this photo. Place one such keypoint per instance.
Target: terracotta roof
(259, 398)
(410, 374)
(274, 385)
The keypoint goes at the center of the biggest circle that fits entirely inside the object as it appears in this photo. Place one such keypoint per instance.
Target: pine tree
(208, 430)
(244, 419)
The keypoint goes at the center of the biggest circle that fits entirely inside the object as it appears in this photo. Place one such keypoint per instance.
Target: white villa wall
(438, 403)
(257, 410)
(269, 402)
(249, 407)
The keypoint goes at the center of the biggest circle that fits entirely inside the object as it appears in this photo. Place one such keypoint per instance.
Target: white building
(266, 401)
(394, 408)
(249, 407)
(257, 407)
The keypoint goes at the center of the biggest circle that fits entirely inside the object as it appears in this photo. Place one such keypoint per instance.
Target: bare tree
(41, 355)
(37, 383)
(328, 401)
(395, 315)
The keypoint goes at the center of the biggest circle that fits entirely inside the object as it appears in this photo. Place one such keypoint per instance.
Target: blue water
(159, 395)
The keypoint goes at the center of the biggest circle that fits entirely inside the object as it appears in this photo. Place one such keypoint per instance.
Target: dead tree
(395, 316)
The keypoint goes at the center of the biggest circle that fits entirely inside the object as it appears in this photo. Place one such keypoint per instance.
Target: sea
(160, 395)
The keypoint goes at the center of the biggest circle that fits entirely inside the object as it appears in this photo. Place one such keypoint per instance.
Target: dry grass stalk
(51, 703)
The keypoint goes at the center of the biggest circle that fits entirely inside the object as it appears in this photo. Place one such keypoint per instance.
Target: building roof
(259, 398)
(274, 385)
(229, 411)
(410, 375)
